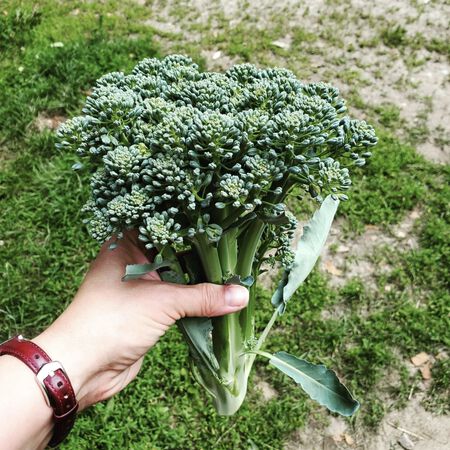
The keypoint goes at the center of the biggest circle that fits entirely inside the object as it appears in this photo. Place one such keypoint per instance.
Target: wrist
(63, 348)
(22, 403)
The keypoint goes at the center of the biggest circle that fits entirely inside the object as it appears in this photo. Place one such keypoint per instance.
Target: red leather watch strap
(56, 385)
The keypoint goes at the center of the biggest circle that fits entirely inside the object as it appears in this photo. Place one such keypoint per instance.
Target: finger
(203, 300)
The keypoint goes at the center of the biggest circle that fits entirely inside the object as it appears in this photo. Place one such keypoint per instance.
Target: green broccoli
(201, 164)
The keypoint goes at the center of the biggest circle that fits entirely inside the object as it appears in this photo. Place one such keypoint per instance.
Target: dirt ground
(410, 428)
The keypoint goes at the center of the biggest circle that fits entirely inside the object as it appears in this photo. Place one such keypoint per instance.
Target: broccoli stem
(209, 257)
(230, 218)
(228, 253)
(231, 332)
(225, 335)
(227, 339)
(248, 245)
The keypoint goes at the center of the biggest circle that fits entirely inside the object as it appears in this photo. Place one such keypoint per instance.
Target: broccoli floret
(199, 142)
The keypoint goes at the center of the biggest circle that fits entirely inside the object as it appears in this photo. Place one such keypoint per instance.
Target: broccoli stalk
(233, 334)
(202, 164)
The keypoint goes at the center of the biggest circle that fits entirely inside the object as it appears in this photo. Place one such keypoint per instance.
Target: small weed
(437, 45)
(438, 399)
(442, 137)
(388, 115)
(17, 25)
(394, 36)
(301, 36)
(333, 248)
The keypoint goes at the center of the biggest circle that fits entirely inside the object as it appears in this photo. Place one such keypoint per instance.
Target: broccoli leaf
(320, 383)
(197, 331)
(307, 253)
(236, 279)
(172, 276)
(279, 219)
(134, 271)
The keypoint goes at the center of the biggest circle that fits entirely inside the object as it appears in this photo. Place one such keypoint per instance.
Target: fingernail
(236, 296)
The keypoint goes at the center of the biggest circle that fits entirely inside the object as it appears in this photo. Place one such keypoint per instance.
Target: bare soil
(46, 121)
(423, 430)
(346, 257)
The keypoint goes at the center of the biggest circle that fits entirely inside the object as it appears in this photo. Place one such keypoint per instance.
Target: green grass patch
(300, 36)
(439, 396)
(394, 36)
(16, 26)
(393, 182)
(61, 57)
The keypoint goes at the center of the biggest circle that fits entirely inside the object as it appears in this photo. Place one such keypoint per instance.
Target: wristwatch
(52, 380)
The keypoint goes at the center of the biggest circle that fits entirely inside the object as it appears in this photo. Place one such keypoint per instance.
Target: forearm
(25, 419)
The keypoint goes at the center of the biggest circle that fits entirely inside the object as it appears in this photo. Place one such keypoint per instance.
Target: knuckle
(210, 298)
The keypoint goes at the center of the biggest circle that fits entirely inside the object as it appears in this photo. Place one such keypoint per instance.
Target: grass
(396, 36)
(440, 388)
(44, 249)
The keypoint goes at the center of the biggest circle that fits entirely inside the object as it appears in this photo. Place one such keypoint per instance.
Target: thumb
(209, 300)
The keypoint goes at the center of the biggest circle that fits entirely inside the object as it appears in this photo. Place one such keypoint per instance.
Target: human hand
(102, 337)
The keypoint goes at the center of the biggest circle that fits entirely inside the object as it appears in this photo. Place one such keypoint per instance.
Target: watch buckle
(48, 370)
